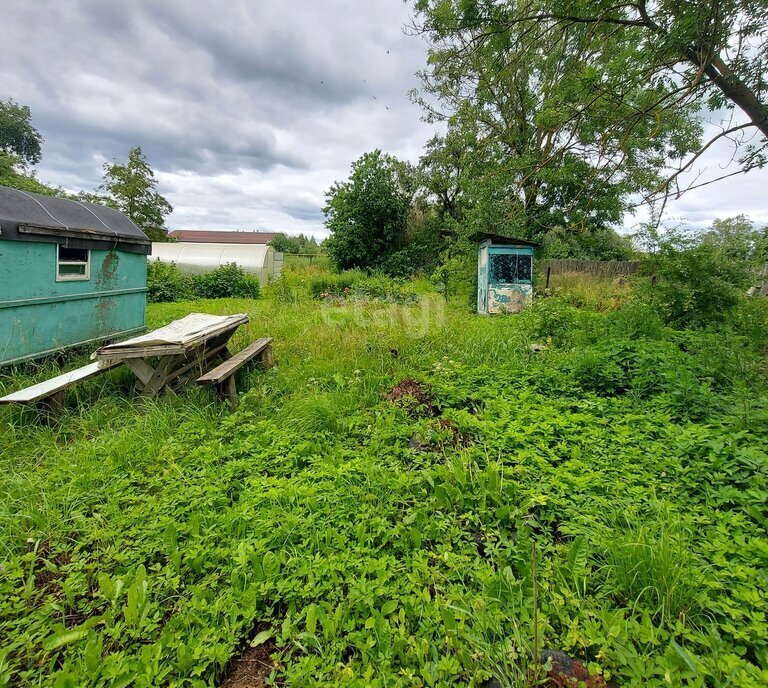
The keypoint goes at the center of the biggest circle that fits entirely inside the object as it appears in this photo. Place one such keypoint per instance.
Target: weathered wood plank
(162, 372)
(227, 390)
(143, 347)
(50, 407)
(141, 369)
(231, 366)
(45, 389)
(201, 360)
(605, 268)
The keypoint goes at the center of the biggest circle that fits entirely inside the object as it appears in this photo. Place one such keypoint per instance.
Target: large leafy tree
(20, 148)
(368, 213)
(630, 75)
(444, 167)
(14, 175)
(17, 135)
(738, 238)
(545, 143)
(132, 188)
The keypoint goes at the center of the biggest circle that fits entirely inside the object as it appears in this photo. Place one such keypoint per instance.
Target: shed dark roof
(204, 236)
(26, 216)
(507, 241)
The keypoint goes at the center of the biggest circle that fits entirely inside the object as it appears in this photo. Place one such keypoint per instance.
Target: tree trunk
(733, 88)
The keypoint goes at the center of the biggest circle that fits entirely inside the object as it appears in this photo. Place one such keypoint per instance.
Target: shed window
(73, 264)
(507, 268)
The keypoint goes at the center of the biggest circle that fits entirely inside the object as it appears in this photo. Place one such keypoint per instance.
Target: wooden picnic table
(166, 358)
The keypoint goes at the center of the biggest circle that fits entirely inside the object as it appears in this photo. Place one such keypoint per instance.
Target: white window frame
(73, 278)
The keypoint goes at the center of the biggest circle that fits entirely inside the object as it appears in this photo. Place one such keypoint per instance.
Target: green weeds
(142, 543)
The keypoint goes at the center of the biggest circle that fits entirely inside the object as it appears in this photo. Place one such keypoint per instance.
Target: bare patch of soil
(414, 396)
(251, 668)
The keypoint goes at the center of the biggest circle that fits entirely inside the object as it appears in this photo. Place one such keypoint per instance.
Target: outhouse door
(510, 278)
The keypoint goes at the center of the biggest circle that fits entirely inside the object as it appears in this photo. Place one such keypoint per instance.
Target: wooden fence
(599, 268)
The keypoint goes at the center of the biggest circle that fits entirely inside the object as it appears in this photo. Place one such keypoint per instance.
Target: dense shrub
(229, 280)
(694, 283)
(165, 282)
(404, 263)
(357, 286)
(330, 283)
(586, 244)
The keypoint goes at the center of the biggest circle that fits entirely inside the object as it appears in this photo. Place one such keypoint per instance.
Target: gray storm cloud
(247, 111)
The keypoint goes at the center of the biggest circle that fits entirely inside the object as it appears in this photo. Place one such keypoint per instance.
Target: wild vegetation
(285, 243)
(165, 282)
(559, 119)
(415, 496)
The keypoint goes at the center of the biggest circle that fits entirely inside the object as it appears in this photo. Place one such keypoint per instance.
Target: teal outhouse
(71, 273)
(504, 273)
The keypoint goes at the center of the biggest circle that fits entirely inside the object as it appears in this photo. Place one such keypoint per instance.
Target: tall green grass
(309, 507)
(650, 566)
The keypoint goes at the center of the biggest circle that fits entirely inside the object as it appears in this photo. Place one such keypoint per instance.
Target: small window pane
(79, 255)
(508, 268)
(524, 266)
(72, 268)
(72, 263)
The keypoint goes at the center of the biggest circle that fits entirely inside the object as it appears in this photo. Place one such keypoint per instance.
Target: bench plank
(231, 366)
(48, 388)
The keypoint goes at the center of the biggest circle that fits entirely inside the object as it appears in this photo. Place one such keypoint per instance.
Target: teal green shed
(71, 273)
(504, 273)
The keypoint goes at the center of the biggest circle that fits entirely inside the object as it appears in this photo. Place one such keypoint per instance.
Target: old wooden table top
(168, 357)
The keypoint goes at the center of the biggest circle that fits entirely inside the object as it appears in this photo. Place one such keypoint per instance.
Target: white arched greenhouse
(259, 260)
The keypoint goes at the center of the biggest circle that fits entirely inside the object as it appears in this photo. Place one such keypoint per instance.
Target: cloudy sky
(248, 110)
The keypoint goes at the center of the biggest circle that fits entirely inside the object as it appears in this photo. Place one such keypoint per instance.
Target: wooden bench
(223, 376)
(49, 395)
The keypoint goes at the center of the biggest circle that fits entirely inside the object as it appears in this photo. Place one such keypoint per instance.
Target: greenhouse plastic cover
(257, 259)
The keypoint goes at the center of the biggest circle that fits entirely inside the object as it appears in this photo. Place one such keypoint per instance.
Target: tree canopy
(133, 189)
(285, 243)
(619, 86)
(367, 214)
(17, 135)
(739, 239)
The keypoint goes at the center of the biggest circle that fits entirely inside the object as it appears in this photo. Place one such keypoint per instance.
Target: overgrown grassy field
(372, 537)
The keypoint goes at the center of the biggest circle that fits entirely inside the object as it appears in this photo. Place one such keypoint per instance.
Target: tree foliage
(17, 135)
(21, 147)
(132, 188)
(14, 175)
(558, 127)
(602, 244)
(621, 86)
(695, 282)
(285, 243)
(367, 214)
(739, 239)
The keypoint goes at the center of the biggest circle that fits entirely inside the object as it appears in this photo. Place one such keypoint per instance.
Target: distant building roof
(205, 236)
